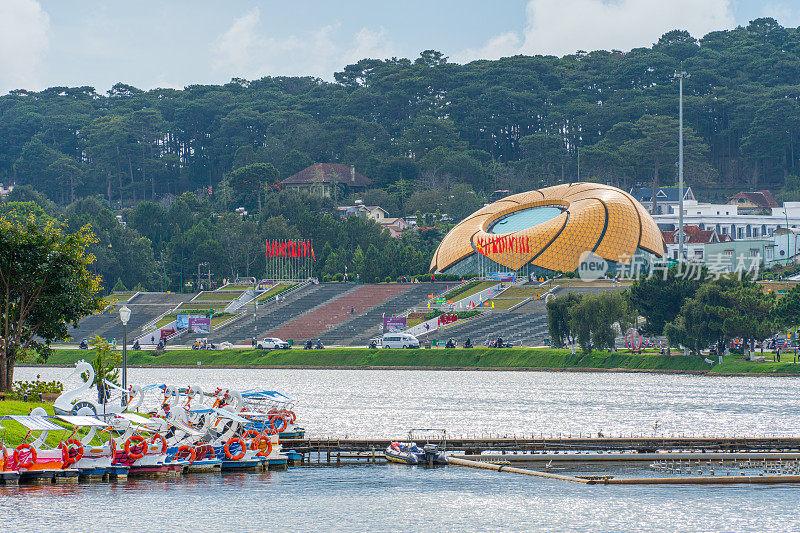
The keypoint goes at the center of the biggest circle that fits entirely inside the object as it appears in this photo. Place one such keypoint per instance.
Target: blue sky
(151, 43)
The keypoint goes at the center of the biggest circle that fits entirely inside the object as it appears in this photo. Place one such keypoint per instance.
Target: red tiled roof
(693, 234)
(327, 173)
(759, 198)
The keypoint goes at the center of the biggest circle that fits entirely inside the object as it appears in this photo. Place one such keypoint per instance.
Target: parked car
(399, 340)
(272, 343)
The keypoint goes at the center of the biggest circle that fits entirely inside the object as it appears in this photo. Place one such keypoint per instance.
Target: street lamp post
(255, 312)
(124, 316)
(681, 239)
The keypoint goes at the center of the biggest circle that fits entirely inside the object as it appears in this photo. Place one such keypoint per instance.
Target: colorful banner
(294, 248)
(447, 319)
(394, 323)
(200, 324)
(182, 321)
(504, 244)
(501, 276)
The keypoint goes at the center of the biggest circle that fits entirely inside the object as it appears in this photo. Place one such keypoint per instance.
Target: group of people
(318, 346)
(203, 344)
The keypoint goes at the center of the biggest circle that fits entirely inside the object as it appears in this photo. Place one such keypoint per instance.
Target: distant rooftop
(328, 173)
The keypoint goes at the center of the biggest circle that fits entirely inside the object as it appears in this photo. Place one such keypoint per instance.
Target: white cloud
(368, 43)
(24, 29)
(244, 50)
(561, 27)
(788, 17)
(234, 50)
(503, 45)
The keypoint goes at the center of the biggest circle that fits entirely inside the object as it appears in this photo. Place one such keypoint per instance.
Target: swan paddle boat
(144, 448)
(72, 401)
(89, 454)
(35, 460)
(279, 410)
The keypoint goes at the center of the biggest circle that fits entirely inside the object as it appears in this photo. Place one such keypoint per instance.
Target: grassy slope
(474, 358)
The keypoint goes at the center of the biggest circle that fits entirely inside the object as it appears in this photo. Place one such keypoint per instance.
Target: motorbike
(451, 343)
(319, 346)
(468, 343)
(373, 345)
(307, 345)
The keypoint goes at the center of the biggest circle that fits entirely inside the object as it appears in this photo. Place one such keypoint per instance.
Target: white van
(399, 340)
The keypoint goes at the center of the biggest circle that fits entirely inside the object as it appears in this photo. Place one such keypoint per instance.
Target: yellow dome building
(547, 230)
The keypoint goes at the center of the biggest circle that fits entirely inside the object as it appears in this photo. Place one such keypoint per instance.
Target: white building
(726, 220)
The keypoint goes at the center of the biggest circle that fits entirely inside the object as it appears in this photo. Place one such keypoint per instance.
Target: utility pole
(255, 312)
(681, 239)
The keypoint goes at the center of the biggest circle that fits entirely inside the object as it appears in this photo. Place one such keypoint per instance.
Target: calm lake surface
(383, 498)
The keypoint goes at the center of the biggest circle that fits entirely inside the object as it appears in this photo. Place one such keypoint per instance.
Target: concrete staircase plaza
(314, 323)
(144, 308)
(272, 315)
(526, 325)
(359, 330)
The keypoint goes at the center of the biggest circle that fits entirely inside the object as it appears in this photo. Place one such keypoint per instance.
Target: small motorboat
(409, 453)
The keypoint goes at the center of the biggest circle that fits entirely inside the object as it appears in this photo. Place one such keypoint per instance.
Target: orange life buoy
(189, 450)
(141, 443)
(267, 449)
(254, 437)
(292, 416)
(31, 458)
(157, 436)
(113, 444)
(3, 459)
(241, 453)
(204, 450)
(282, 424)
(66, 451)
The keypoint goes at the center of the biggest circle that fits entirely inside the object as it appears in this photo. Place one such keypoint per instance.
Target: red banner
(294, 248)
(504, 244)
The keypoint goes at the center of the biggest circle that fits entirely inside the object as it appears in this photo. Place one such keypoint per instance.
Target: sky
(174, 43)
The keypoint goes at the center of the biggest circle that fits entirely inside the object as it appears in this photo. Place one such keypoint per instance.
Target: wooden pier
(474, 446)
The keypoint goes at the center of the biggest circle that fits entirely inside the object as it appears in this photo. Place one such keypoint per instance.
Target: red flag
(311, 244)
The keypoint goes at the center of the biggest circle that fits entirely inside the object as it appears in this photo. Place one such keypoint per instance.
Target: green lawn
(237, 287)
(522, 292)
(121, 296)
(202, 306)
(218, 296)
(276, 289)
(504, 303)
(470, 289)
(361, 357)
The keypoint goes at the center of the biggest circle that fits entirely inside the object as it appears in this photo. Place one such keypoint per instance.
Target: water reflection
(377, 403)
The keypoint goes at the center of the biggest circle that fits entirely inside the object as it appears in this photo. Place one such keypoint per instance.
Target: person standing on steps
(352, 310)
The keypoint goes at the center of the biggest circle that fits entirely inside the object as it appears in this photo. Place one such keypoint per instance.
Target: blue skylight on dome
(526, 218)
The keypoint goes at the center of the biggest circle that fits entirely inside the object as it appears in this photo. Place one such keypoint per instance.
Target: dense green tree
(45, 284)
(659, 296)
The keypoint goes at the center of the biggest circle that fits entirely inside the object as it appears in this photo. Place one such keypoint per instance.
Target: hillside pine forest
(434, 137)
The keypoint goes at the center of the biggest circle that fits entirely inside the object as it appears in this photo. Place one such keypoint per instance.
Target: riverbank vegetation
(476, 358)
(697, 311)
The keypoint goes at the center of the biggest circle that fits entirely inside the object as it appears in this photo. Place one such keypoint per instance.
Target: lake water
(383, 498)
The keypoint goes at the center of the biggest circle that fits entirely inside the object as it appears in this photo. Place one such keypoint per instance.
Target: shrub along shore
(441, 359)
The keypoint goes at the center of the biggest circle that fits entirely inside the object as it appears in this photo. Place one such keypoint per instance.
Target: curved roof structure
(550, 228)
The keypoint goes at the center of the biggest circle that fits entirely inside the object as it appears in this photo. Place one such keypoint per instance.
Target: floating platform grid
(561, 444)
